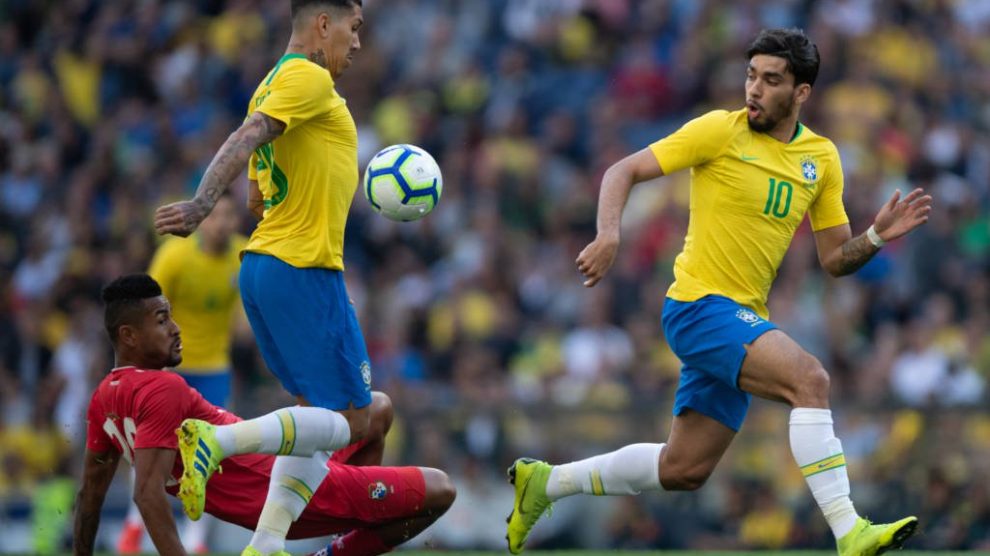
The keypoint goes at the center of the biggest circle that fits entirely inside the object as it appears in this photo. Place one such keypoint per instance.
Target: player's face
(341, 39)
(771, 96)
(159, 343)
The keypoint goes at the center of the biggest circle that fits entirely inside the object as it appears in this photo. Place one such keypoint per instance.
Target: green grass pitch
(656, 552)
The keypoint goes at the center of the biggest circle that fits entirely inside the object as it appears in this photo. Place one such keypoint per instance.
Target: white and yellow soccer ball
(403, 182)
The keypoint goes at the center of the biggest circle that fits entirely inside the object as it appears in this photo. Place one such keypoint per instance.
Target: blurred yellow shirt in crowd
(308, 175)
(204, 294)
(749, 193)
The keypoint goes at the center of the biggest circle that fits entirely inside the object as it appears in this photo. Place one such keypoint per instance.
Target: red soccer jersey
(133, 409)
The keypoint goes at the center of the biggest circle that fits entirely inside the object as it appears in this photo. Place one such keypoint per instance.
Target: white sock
(294, 480)
(194, 533)
(819, 455)
(296, 431)
(628, 470)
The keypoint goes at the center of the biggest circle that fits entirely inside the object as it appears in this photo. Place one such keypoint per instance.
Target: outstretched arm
(98, 471)
(152, 467)
(595, 259)
(183, 217)
(840, 254)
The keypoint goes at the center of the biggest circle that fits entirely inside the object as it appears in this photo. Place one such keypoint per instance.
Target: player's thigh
(779, 369)
(696, 444)
(371, 495)
(253, 294)
(314, 326)
(709, 336)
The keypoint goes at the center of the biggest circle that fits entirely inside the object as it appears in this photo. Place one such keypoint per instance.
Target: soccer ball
(403, 182)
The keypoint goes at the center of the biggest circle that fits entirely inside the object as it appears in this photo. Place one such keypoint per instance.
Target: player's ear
(323, 22)
(127, 335)
(802, 92)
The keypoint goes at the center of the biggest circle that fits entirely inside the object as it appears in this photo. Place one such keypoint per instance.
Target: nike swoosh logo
(748, 158)
(523, 497)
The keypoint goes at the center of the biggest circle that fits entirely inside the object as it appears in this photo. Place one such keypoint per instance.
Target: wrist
(609, 238)
(874, 237)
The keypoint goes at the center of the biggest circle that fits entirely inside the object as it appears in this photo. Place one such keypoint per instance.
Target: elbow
(832, 266)
(834, 271)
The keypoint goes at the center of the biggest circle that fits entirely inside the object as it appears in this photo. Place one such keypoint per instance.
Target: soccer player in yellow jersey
(755, 173)
(199, 276)
(299, 143)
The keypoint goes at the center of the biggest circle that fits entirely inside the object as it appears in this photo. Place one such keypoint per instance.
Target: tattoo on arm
(855, 253)
(319, 58)
(233, 156)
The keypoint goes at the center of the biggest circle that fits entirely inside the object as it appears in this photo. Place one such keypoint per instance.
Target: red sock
(360, 542)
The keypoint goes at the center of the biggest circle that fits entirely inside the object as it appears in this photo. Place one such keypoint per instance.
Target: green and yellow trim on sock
(832, 462)
(288, 423)
(297, 487)
(597, 486)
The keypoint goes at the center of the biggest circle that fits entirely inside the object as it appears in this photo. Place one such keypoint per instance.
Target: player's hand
(180, 218)
(595, 259)
(899, 216)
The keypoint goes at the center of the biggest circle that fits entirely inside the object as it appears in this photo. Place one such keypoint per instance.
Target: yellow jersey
(308, 175)
(749, 193)
(203, 291)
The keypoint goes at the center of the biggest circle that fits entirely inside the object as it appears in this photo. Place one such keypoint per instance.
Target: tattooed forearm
(319, 58)
(233, 156)
(855, 253)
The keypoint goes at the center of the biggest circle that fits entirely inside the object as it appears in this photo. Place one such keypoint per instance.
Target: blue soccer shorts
(214, 386)
(307, 331)
(709, 336)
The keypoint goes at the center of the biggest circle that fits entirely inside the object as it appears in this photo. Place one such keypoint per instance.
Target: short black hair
(791, 45)
(123, 299)
(299, 5)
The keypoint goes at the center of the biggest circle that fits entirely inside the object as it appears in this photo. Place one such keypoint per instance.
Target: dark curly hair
(791, 45)
(123, 299)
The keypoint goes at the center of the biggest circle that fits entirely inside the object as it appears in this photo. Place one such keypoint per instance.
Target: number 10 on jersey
(777, 204)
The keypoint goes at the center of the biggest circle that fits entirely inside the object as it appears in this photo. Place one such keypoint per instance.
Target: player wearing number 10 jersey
(755, 173)
(137, 407)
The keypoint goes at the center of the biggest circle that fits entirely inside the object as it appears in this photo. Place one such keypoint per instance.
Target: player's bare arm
(595, 259)
(255, 201)
(153, 466)
(98, 471)
(182, 218)
(841, 254)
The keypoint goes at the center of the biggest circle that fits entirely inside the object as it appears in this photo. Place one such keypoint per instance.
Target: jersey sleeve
(695, 143)
(298, 94)
(165, 266)
(827, 209)
(97, 440)
(161, 408)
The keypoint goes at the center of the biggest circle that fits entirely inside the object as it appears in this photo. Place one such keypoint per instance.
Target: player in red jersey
(137, 407)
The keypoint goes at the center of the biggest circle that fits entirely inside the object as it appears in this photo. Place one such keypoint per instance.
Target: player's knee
(684, 477)
(813, 386)
(440, 490)
(382, 413)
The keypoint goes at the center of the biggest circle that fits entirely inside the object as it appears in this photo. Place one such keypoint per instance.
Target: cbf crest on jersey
(809, 171)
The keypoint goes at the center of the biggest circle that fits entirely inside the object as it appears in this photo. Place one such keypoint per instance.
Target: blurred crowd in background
(476, 320)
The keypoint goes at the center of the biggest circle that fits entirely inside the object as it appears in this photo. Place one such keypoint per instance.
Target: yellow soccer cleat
(201, 456)
(252, 551)
(867, 539)
(530, 479)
